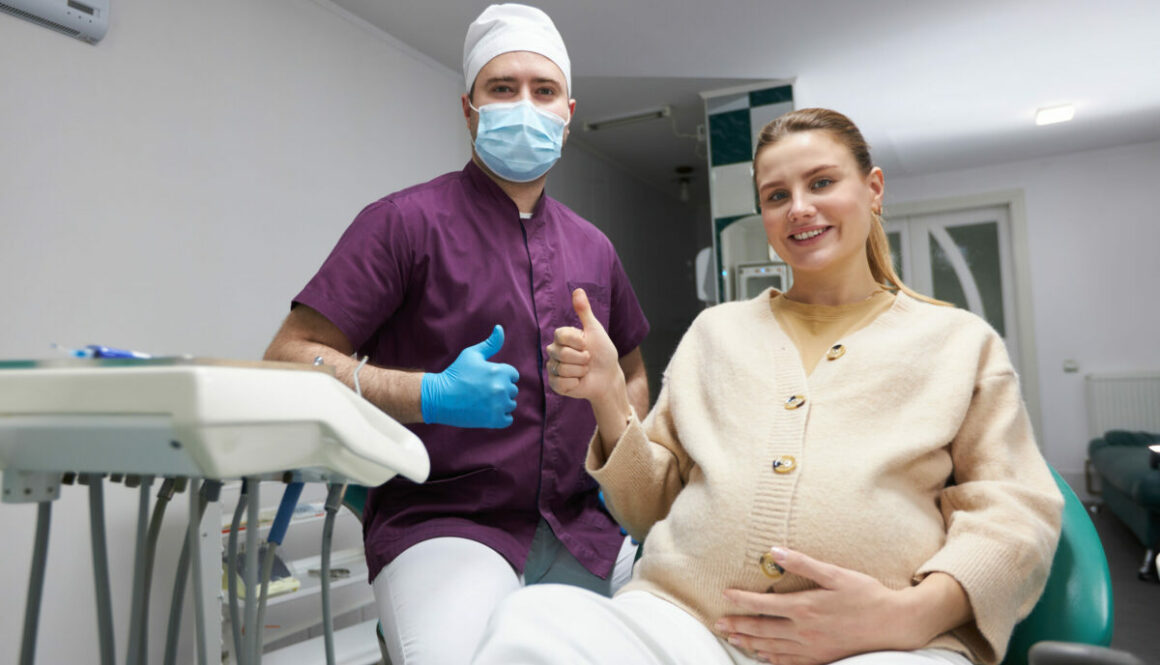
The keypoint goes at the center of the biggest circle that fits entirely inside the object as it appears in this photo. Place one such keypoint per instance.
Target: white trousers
(435, 598)
(558, 625)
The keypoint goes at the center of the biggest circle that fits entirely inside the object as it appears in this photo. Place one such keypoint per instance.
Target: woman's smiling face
(815, 202)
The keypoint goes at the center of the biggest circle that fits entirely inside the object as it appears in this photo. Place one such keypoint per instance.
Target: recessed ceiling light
(1049, 115)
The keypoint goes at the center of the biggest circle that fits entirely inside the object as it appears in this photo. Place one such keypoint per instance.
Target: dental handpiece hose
(193, 541)
(133, 655)
(209, 493)
(97, 531)
(273, 540)
(250, 568)
(334, 495)
(164, 495)
(232, 575)
(36, 583)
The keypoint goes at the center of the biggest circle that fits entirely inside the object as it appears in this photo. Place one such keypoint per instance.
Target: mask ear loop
(564, 122)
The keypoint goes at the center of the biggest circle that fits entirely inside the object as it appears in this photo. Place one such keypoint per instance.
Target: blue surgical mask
(518, 141)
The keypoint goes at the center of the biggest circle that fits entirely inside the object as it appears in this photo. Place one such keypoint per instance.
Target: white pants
(435, 598)
(558, 625)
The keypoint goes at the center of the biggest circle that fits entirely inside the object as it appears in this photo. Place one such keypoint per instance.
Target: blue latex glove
(472, 392)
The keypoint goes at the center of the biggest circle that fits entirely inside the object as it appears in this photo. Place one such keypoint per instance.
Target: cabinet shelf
(353, 645)
(304, 514)
(293, 620)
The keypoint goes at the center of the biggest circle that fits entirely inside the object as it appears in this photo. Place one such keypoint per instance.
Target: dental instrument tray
(195, 417)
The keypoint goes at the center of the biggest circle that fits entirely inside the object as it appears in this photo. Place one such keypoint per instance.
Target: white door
(962, 257)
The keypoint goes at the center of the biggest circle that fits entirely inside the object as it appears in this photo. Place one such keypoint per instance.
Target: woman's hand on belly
(842, 617)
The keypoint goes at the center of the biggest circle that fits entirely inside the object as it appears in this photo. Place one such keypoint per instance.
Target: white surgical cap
(511, 27)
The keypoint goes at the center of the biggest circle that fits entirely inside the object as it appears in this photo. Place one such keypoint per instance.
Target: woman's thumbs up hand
(583, 362)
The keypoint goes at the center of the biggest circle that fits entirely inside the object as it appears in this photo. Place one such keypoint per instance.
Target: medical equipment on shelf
(753, 278)
(175, 419)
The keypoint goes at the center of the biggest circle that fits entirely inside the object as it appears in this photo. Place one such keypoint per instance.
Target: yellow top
(817, 330)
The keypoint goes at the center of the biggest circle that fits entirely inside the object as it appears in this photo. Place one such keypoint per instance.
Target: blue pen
(99, 351)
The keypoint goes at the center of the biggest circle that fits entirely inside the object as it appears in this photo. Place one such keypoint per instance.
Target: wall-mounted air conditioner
(86, 20)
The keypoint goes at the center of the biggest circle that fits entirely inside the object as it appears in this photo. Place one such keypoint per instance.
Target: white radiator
(1128, 401)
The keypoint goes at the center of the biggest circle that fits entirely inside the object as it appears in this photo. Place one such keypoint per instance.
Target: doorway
(962, 257)
(972, 252)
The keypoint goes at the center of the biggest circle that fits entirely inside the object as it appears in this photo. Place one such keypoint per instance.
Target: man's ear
(465, 102)
(571, 114)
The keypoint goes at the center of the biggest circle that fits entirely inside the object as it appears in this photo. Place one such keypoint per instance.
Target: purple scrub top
(427, 271)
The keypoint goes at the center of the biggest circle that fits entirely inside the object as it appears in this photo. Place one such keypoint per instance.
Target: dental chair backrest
(1076, 605)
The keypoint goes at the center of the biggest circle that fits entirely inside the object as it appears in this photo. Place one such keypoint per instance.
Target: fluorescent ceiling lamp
(628, 119)
(1049, 115)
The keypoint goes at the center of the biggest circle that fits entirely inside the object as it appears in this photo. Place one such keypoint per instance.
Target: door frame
(1013, 200)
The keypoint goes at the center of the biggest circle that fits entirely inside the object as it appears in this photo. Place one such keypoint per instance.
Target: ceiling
(933, 85)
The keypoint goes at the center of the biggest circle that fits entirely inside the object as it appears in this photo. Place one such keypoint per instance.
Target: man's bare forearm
(396, 392)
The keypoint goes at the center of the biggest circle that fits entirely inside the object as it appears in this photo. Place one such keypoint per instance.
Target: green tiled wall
(729, 134)
(734, 119)
(776, 95)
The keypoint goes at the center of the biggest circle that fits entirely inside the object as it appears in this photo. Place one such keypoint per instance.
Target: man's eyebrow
(513, 79)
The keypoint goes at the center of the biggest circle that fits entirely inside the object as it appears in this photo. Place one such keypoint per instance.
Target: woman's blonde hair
(845, 132)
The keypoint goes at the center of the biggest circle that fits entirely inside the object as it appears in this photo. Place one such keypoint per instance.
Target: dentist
(454, 289)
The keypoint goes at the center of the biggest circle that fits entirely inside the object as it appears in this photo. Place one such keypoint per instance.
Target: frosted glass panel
(946, 283)
(895, 239)
(977, 246)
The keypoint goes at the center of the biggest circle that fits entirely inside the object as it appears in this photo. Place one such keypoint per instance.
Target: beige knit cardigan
(913, 452)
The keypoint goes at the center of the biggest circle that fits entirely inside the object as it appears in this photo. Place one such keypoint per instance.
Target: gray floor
(1137, 603)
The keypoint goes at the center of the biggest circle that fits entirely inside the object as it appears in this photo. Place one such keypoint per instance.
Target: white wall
(170, 189)
(1093, 227)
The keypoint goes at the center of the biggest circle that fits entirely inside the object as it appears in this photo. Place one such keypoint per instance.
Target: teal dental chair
(355, 499)
(1072, 622)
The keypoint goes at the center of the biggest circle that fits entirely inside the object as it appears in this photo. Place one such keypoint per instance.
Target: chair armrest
(355, 499)
(1120, 437)
(1071, 653)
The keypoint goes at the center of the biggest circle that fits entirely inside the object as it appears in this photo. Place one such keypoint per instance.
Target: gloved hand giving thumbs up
(472, 392)
(584, 363)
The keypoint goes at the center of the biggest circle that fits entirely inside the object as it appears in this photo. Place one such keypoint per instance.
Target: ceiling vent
(86, 20)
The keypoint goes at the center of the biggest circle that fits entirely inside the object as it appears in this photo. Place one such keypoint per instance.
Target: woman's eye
(777, 196)
(822, 183)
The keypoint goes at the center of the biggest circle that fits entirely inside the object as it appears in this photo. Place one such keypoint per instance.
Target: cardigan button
(770, 567)
(836, 351)
(784, 464)
(794, 402)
